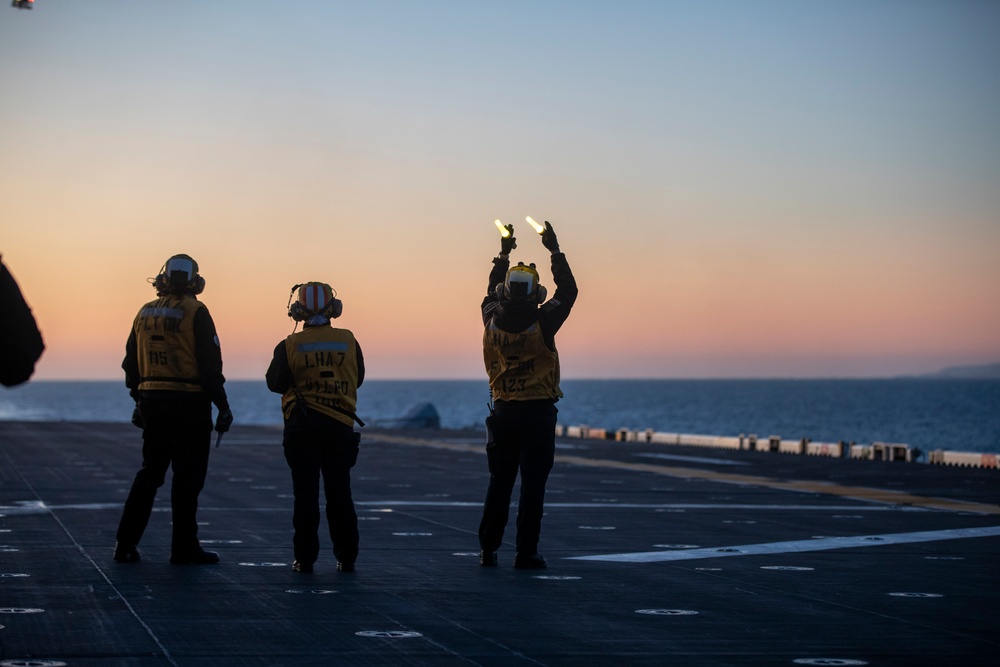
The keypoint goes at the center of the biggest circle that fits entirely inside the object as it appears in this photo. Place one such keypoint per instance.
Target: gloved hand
(137, 418)
(549, 238)
(224, 420)
(508, 243)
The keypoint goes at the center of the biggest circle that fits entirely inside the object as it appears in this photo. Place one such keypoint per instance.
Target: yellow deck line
(855, 492)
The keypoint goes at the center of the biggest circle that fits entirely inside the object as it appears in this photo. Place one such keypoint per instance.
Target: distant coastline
(980, 372)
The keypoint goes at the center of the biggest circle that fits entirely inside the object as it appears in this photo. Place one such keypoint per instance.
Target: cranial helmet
(179, 274)
(315, 299)
(521, 284)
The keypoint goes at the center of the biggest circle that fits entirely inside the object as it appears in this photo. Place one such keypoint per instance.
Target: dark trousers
(317, 445)
(177, 433)
(523, 439)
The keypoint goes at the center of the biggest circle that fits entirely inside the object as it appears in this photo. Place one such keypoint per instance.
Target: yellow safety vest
(164, 336)
(519, 365)
(324, 365)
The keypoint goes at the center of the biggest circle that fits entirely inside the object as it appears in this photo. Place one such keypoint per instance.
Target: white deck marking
(692, 459)
(796, 546)
(39, 507)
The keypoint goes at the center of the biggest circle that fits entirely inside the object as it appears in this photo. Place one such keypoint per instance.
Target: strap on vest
(157, 378)
(300, 403)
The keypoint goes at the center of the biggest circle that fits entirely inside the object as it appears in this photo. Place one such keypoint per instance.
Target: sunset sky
(743, 189)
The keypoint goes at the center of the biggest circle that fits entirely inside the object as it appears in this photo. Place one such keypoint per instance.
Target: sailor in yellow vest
(318, 371)
(173, 369)
(519, 350)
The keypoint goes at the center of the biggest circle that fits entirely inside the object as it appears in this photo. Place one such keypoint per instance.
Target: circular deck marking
(413, 534)
(916, 595)
(13, 575)
(790, 568)
(596, 527)
(828, 661)
(556, 577)
(318, 591)
(32, 663)
(676, 546)
(666, 612)
(391, 634)
(20, 610)
(263, 564)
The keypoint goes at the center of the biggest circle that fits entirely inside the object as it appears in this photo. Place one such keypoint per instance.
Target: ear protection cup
(334, 310)
(199, 285)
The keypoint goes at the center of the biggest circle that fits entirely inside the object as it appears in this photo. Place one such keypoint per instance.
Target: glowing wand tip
(504, 232)
(538, 228)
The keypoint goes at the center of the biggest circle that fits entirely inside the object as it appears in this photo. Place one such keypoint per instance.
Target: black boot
(529, 561)
(126, 553)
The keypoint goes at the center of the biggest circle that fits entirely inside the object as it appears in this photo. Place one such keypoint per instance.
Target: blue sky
(743, 188)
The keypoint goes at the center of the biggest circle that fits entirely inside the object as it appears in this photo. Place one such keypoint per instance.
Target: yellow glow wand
(538, 228)
(504, 232)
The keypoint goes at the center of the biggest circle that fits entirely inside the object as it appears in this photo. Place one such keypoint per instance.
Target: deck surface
(658, 555)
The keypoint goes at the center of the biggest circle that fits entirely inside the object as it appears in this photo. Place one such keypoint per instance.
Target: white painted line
(693, 459)
(667, 506)
(796, 546)
(38, 507)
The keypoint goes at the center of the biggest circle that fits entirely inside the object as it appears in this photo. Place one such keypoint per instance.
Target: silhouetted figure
(21, 342)
(519, 350)
(173, 369)
(318, 371)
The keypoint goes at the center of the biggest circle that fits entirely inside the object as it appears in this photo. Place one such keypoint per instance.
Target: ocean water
(951, 414)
